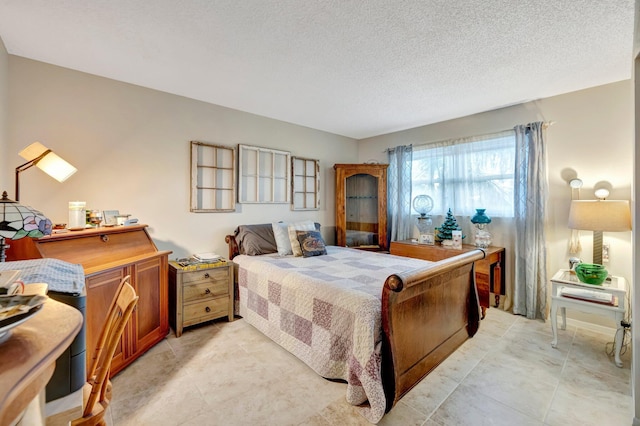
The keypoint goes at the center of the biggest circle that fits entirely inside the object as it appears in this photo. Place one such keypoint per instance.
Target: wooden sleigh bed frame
(438, 303)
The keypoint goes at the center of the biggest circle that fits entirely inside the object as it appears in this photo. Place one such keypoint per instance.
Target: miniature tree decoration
(443, 233)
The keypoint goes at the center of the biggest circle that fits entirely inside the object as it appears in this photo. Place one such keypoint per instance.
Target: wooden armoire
(361, 206)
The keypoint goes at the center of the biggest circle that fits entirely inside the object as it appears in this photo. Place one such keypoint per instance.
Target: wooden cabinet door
(100, 291)
(150, 320)
(361, 205)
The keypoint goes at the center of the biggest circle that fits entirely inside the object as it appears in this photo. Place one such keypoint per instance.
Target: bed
(379, 322)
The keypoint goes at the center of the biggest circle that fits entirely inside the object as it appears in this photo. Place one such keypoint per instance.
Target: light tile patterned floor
(508, 374)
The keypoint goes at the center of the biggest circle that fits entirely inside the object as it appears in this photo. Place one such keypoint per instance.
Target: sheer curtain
(530, 196)
(400, 222)
(465, 174)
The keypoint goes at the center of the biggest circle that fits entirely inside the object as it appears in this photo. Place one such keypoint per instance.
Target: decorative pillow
(254, 240)
(282, 238)
(311, 243)
(307, 225)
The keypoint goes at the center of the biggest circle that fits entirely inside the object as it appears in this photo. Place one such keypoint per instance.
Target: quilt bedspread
(326, 310)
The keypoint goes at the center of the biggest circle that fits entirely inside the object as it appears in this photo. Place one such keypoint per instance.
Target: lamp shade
(50, 163)
(18, 221)
(600, 215)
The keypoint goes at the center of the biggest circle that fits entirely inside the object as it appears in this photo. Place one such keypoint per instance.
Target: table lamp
(50, 163)
(423, 204)
(600, 216)
(18, 221)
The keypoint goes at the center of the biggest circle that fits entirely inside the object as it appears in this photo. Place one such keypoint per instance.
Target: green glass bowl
(591, 273)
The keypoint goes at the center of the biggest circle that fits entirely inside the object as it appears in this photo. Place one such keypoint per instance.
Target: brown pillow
(254, 240)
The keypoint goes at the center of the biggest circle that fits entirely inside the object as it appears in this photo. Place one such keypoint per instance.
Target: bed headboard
(233, 246)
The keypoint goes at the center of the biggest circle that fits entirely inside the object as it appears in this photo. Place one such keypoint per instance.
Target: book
(206, 257)
(589, 295)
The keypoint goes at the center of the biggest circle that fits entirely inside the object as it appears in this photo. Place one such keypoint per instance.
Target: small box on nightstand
(199, 293)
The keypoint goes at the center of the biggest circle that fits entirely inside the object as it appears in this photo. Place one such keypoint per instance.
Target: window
(467, 174)
(213, 178)
(264, 175)
(306, 184)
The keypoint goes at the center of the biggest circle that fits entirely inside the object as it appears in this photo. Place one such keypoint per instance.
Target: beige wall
(131, 148)
(592, 138)
(4, 113)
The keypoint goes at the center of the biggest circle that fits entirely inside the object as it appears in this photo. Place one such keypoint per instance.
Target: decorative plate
(16, 309)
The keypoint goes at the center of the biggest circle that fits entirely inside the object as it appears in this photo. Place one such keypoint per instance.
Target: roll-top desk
(108, 255)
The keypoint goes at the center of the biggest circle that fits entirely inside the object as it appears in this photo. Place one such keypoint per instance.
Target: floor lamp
(600, 216)
(39, 155)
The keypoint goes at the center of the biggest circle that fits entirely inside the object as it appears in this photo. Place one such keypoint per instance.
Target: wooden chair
(96, 393)
(102, 338)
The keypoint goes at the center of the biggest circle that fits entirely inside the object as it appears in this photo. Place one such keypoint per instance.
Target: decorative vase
(425, 227)
(480, 220)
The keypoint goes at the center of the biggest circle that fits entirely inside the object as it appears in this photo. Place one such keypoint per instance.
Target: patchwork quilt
(326, 310)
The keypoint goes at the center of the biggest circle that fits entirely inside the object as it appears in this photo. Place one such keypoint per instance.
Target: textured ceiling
(354, 68)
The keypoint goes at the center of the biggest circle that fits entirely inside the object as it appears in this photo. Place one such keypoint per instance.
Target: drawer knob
(208, 309)
(206, 275)
(104, 238)
(207, 291)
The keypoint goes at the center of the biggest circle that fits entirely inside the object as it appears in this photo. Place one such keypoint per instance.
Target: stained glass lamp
(423, 204)
(18, 221)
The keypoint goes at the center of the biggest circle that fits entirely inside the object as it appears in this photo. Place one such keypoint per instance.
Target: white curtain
(400, 222)
(530, 197)
(466, 174)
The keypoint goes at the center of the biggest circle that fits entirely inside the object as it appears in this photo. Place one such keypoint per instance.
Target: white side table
(617, 287)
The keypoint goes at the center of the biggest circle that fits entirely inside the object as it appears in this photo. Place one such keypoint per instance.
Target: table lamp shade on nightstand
(600, 216)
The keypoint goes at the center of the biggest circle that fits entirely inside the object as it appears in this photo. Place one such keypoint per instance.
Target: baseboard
(636, 422)
(589, 326)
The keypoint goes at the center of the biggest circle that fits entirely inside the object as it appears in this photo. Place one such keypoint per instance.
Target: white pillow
(306, 225)
(282, 238)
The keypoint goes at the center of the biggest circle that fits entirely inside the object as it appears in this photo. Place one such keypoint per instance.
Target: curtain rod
(545, 124)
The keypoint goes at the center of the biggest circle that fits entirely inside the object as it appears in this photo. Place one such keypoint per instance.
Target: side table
(615, 286)
(199, 293)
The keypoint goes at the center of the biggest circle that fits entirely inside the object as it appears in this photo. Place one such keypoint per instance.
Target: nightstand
(199, 293)
(565, 293)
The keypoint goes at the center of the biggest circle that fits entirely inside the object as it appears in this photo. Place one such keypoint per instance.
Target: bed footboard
(426, 315)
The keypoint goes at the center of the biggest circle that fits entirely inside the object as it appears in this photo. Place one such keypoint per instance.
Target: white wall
(4, 111)
(131, 147)
(592, 138)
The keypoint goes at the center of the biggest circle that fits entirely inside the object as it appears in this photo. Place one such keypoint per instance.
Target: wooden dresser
(489, 271)
(108, 255)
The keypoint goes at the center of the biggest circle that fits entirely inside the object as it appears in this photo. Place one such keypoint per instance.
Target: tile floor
(508, 374)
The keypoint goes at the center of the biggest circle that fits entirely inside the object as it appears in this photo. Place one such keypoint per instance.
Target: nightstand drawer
(206, 290)
(218, 274)
(201, 311)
